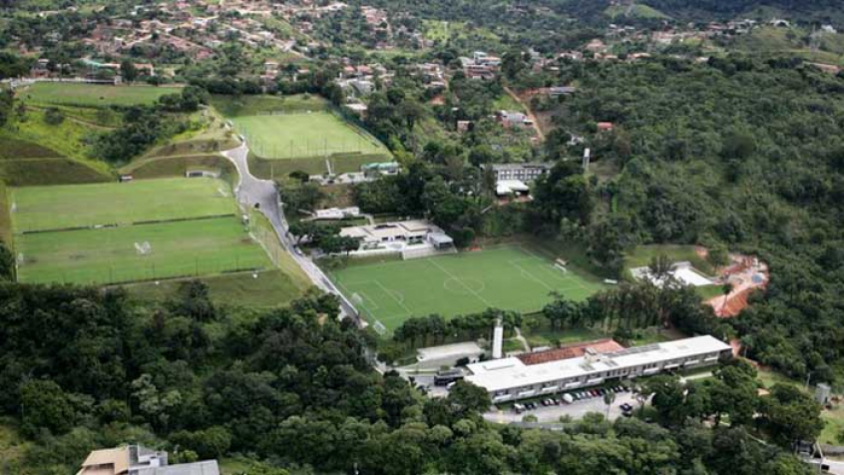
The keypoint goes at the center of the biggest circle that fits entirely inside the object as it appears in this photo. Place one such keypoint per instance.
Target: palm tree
(609, 398)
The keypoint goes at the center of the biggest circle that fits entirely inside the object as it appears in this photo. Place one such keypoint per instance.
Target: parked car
(567, 398)
(518, 408)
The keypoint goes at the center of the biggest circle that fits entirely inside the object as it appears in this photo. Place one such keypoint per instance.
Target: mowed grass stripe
(302, 135)
(102, 256)
(74, 206)
(93, 94)
(508, 277)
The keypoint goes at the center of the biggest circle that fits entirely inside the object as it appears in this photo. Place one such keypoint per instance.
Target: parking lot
(575, 410)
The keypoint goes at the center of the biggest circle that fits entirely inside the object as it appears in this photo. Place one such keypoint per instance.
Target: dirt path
(528, 112)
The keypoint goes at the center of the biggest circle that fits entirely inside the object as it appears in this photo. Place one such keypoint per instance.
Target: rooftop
(520, 166)
(390, 230)
(206, 467)
(448, 351)
(511, 372)
(570, 351)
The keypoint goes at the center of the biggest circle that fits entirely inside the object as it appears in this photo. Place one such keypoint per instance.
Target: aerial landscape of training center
(172, 215)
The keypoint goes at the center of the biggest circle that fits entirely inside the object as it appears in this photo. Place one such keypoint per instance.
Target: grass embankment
(178, 166)
(243, 106)
(790, 42)
(12, 448)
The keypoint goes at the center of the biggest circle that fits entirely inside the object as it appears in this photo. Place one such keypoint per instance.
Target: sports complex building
(554, 371)
(414, 238)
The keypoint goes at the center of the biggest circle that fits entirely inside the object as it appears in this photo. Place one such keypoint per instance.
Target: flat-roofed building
(525, 172)
(126, 460)
(511, 379)
(375, 235)
(138, 460)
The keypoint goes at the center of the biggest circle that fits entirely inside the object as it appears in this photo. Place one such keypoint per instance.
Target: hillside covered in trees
(738, 153)
(292, 389)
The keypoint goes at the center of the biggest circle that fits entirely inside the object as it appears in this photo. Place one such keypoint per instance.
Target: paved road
(251, 191)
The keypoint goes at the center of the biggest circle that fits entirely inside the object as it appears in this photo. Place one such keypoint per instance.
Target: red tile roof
(570, 351)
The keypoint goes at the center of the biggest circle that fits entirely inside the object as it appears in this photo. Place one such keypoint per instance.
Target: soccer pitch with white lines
(509, 277)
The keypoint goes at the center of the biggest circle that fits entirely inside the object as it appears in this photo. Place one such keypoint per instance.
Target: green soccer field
(116, 255)
(508, 278)
(93, 94)
(70, 206)
(303, 135)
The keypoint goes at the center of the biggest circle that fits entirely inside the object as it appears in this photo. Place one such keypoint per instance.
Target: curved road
(252, 191)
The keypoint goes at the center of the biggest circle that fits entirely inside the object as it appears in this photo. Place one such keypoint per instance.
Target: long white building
(512, 378)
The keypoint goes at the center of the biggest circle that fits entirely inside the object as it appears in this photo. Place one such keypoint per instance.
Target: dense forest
(293, 388)
(738, 153)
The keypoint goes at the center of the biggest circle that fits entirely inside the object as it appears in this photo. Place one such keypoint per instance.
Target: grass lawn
(266, 289)
(507, 103)
(49, 171)
(12, 448)
(833, 419)
(316, 134)
(93, 94)
(68, 206)
(242, 106)
(707, 292)
(68, 139)
(642, 256)
(637, 11)
(510, 277)
(103, 256)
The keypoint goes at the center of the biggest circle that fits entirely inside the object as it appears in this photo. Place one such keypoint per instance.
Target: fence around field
(143, 272)
(363, 143)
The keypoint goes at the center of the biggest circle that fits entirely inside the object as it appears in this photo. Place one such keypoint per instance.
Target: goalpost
(379, 327)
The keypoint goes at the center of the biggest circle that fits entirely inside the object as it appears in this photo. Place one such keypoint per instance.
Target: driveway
(251, 191)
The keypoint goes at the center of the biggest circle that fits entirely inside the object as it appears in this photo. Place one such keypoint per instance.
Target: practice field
(63, 93)
(303, 135)
(135, 253)
(508, 278)
(72, 206)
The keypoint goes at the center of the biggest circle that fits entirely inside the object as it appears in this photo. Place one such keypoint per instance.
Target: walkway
(528, 112)
(522, 339)
(252, 191)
